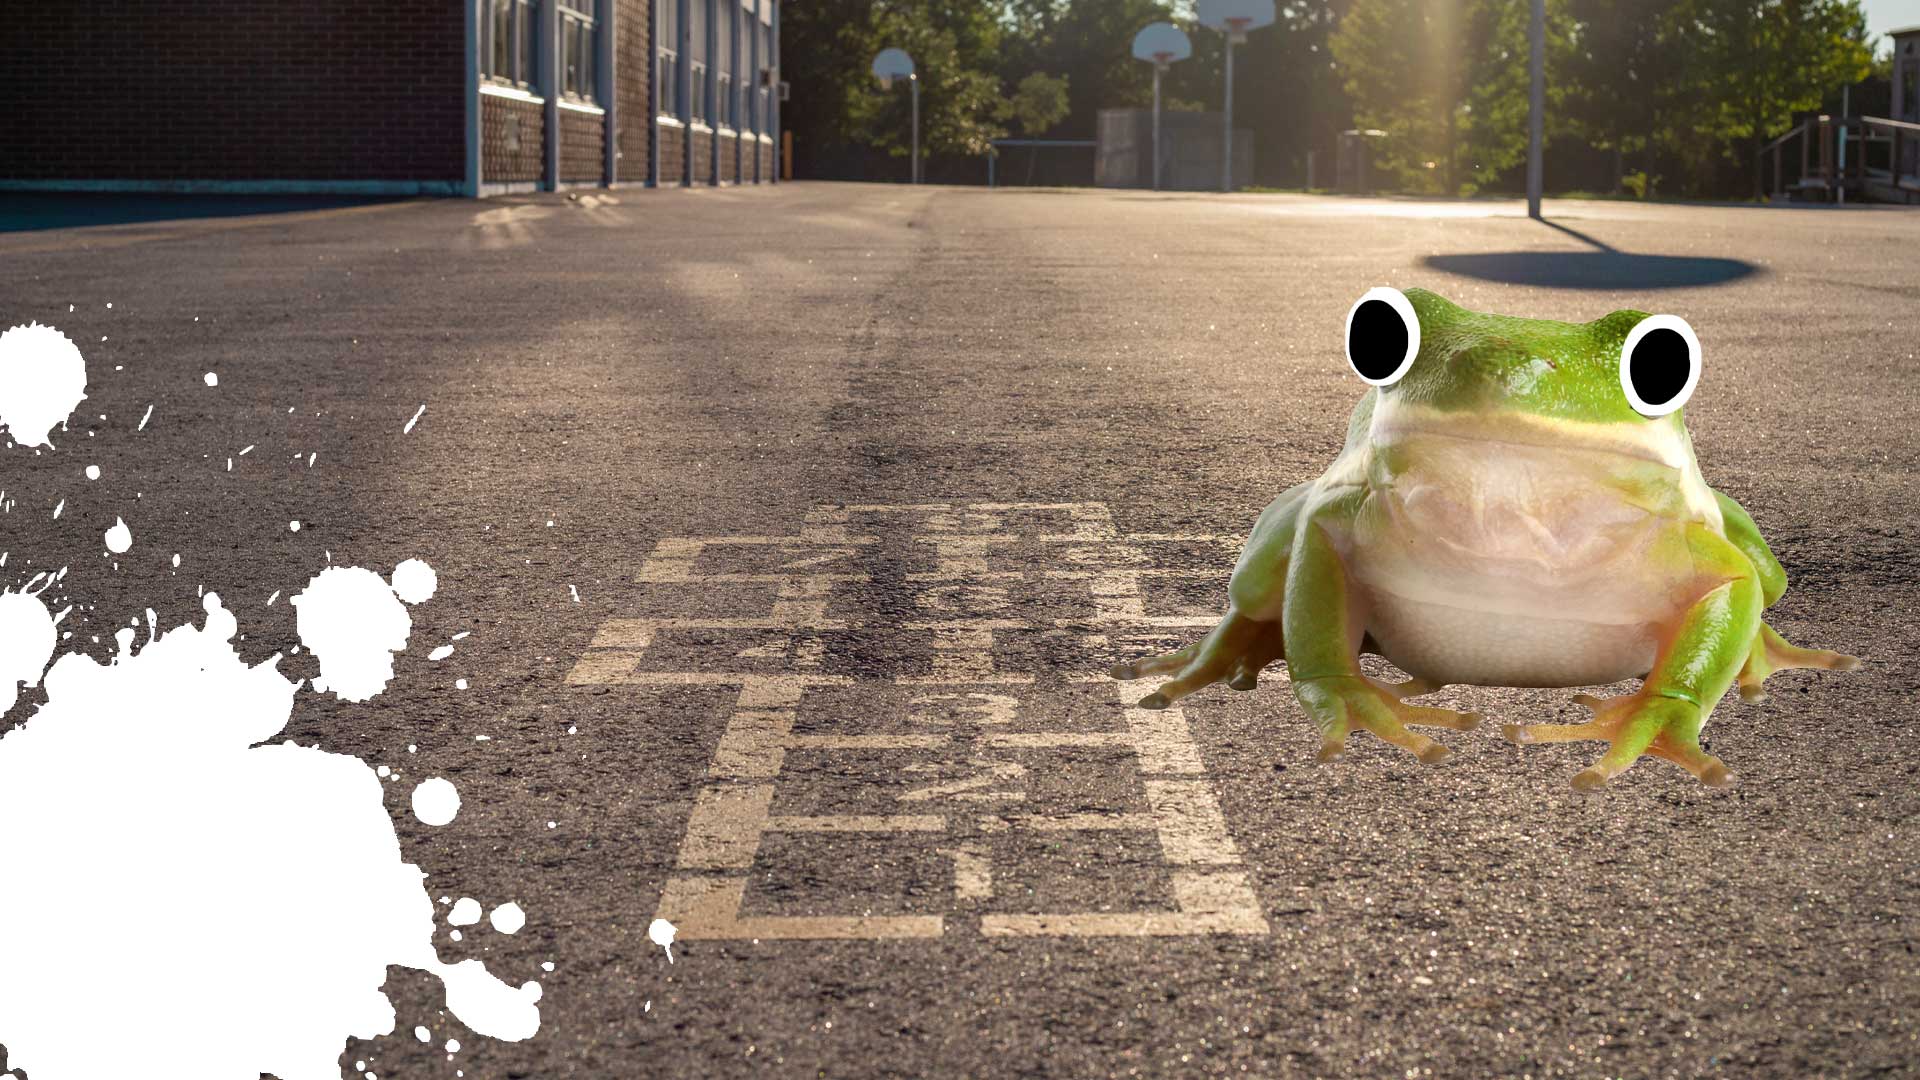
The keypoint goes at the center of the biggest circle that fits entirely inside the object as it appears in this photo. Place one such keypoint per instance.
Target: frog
(1517, 503)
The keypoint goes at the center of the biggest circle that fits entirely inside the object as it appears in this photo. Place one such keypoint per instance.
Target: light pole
(1234, 18)
(893, 64)
(1536, 105)
(1162, 44)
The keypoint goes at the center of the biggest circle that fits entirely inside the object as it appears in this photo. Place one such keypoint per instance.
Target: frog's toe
(1772, 653)
(1636, 725)
(1340, 704)
(1234, 652)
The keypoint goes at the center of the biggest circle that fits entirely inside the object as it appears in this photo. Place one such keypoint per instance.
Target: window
(508, 50)
(667, 94)
(697, 59)
(763, 43)
(579, 48)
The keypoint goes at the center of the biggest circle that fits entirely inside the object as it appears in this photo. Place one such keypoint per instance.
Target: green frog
(1517, 504)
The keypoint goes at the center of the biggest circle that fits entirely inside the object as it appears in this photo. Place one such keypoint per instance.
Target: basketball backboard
(1161, 43)
(1235, 17)
(892, 64)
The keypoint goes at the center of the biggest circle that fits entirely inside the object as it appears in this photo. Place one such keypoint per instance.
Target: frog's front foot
(1771, 653)
(1340, 703)
(1234, 651)
(1636, 724)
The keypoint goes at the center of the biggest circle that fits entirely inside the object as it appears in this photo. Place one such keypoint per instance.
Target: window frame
(579, 27)
(523, 34)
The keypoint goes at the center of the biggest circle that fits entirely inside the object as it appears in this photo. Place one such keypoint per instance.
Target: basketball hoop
(1237, 28)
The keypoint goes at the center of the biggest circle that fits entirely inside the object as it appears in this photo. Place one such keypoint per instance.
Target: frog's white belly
(1516, 566)
(1456, 644)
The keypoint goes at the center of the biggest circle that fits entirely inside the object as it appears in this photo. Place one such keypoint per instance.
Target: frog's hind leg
(1771, 653)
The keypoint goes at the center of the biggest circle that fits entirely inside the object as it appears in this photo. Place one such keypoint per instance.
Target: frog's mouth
(1655, 443)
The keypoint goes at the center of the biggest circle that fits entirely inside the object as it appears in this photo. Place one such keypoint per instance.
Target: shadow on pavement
(1606, 267)
(28, 211)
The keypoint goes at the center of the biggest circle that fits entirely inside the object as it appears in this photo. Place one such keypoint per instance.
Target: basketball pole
(1226, 167)
(1536, 105)
(1157, 69)
(914, 81)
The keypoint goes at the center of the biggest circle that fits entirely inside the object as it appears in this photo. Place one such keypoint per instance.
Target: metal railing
(1860, 155)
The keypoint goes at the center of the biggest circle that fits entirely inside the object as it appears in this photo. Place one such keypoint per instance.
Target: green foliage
(1038, 103)
(1685, 88)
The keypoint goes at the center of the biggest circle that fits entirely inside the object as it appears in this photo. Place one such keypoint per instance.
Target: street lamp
(1233, 18)
(1161, 43)
(894, 64)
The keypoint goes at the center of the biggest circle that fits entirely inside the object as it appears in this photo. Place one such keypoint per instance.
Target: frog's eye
(1659, 365)
(1383, 336)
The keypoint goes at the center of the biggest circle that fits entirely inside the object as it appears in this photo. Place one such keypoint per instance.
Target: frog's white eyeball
(1383, 336)
(1659, 365)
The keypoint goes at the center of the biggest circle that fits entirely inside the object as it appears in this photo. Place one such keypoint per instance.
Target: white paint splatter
(293, 525)
(212, 885)
(466, 912)
(212, 379)
(423, 1034)
(416, 419)
(575, 592)
(661, 932)
(453, 1046)
(436, 801)
(351, 620)
(415, 581)
(144, 419)
(59, 506)
(508, 918)
(43, 378)
(93, 472)
(459, 684)
(441, 653)
(26, 644)
(119, 538)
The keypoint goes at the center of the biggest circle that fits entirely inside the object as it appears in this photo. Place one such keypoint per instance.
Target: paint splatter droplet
(436, 801)
(26, 644)
(415, 581)
(119, 538)
(93, 472)
(508, 918)
(150, 728)
(293, 526)
(416, 419)
(423, 1034)
(350, 619)
(43, 378)
(466, 912)
(661, 932)
(212, 379)
(459, 684)
(441, 653)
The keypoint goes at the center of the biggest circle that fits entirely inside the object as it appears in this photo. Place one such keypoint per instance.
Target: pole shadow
(1605, 267)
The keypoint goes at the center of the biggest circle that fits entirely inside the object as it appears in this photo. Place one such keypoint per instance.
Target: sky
(1885, 15)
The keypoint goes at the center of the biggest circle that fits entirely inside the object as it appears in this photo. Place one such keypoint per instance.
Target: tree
(1749, 65)
(1617, 67)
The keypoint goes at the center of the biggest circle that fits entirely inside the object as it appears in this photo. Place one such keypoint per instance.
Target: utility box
(1353, 162)
(1191, 151)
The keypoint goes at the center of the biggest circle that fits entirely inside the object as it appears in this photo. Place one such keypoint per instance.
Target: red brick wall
(702, 156)
(230, 90)
(582, 153)
(499, 162)
(673, 150)
(633, 76)
(729, 157)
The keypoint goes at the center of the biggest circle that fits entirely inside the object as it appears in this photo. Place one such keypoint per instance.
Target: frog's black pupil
(1659, 366)
(1377, 340)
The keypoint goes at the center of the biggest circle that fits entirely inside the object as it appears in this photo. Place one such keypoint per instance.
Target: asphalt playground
(795, 529)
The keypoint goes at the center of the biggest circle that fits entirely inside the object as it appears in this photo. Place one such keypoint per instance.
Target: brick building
(443, 97)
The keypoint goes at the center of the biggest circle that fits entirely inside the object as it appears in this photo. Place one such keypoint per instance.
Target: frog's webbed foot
(1771, 653)
(1235, 651)
(1340, 703)
(1636, 724)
